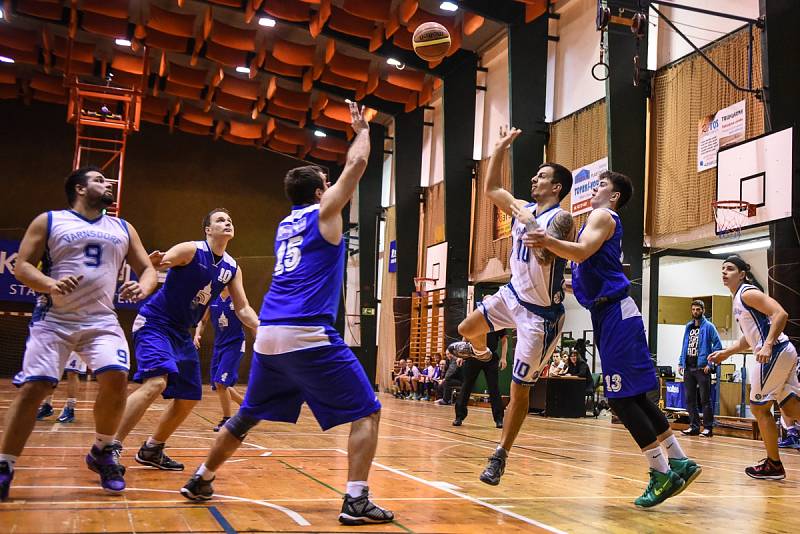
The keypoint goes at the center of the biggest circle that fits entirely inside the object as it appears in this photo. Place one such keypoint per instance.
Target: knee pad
(239, 425)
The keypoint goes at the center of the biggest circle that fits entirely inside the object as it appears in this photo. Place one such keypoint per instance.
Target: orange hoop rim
(740, 205)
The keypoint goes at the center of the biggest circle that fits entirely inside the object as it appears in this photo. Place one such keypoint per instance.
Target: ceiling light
(122, 42)
(2, 14)
(243, 70)
(741, 247)
(348, 101)
(393, 61)
(266, 21)
(4, 59)
(320, 133)
(448, 6)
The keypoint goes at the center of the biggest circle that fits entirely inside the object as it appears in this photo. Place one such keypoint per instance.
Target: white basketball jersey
(754, 324)
(94, 249)
(534, 283)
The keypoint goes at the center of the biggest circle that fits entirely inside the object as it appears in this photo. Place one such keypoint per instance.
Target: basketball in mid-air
(431, 41)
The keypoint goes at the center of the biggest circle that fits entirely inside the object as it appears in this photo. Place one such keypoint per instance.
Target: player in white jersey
(774, 373)
(532, 301)
(82, 251)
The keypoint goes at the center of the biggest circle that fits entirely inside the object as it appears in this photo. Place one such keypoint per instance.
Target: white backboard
(436, 266)
(759, 171)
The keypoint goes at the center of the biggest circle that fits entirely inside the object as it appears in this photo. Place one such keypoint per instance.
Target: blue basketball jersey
(227, 326)
(189, 289)
(600, 276)
(307, 279)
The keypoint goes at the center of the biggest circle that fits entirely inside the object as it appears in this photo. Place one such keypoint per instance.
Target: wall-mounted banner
(502, 224)
(392, 256)
(719, 130)
(584, 180)
(11, 288)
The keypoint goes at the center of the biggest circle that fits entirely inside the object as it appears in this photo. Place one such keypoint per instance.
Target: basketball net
(730, 216)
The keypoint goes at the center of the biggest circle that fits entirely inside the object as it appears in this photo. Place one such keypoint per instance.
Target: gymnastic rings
(636, 71)
(601, 69)
(639, 25)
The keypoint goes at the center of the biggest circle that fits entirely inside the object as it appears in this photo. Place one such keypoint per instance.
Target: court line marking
(226, 526)
(296, 517)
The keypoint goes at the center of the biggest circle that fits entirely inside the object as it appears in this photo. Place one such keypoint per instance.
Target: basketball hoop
(731, 215)
(421, 283)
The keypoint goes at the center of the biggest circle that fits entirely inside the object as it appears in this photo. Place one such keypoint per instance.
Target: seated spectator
(453, 377)
(421, 381)
(412, 377)
(438, 377)
(557, 366)
(578, 367)
(401, 380)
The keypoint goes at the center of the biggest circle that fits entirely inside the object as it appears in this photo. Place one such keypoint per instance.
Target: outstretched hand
(507, 136)
(357, 120)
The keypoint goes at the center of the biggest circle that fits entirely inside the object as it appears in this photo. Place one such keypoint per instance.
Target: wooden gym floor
(563, 475)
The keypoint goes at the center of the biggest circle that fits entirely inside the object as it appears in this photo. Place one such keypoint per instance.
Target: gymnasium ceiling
(213, 68)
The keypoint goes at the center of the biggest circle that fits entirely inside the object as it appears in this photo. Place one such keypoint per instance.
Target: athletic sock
(151, 442)
(71, 403)
(355, 487)
(673, 448)
(101, 441)
(655, 457)
(205, 473)
(10, 459)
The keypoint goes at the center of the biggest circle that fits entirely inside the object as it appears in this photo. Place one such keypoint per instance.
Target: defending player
(298, 354)
(166, 358)
(75, 367)
(83, 250)
(228, 352)
(532, 301)
(600, 286)
(774, 374)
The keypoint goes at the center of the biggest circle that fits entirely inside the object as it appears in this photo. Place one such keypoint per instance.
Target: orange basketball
(431, 41)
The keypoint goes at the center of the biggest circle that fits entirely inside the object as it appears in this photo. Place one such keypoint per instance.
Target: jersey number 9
(94, 255)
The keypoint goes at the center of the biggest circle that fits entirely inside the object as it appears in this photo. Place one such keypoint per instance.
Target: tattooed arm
(562, 227)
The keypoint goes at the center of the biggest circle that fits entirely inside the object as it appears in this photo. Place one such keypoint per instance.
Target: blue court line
(227, 527)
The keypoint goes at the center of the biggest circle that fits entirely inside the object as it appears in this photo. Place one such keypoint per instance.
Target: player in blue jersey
(298, 354)
(166, 358)
(775, 373)
(81, 250)
(600, 286)
(228, 352)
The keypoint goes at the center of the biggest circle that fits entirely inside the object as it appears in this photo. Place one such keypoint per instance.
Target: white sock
(673, 448)
(657, 460)
(151, 442)
(101, 441)
(205, 473)
(10, 458)
(356, 487)
(71, 403)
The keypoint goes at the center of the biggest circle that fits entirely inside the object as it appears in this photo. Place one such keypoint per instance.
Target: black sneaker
(154, 457)
(198, 489)
(360, 510)
(691, 432)
(498, 424)
(706, 433)
(457, 422)
(221, 424)
(494, 469)
(767, 470)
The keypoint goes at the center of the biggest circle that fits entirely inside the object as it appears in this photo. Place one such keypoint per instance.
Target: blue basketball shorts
(225, 364)
(296, 364)
(624, 355)
(162, 350)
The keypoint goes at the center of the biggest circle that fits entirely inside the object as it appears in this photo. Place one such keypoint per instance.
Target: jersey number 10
(289, 255)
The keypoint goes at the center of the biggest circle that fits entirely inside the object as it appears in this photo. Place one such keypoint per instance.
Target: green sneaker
(687, 469)
(661, 487)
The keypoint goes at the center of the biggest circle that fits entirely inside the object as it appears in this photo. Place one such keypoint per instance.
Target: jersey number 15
(289, 255)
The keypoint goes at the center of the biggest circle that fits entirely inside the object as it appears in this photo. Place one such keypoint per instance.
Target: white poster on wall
(584, 180)
(719, 130)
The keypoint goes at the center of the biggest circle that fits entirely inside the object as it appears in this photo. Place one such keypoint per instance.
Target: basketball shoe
(661, 487)
(464, 349)
(6, 476)
(198, 489)
(104, 462)
(791, 441)
(67, 415)
(767, 470)
(494, 469)
(155, 457)
(360, 510)
(45, 411)
(221, 424)
(685, 468)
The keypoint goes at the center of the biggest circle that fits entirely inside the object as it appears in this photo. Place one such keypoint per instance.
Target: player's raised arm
(133, 290)
(31, 251)
(599, 227)
(339, 194)
(494, 184)
(241, 305)
(177, 256)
